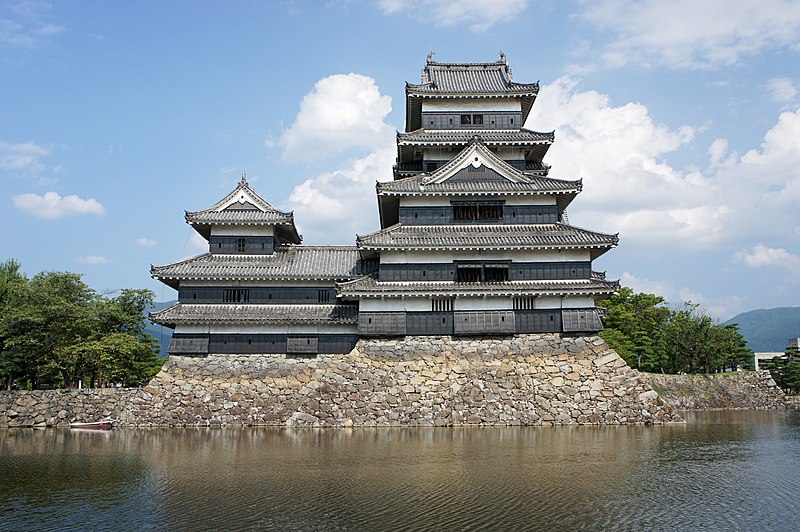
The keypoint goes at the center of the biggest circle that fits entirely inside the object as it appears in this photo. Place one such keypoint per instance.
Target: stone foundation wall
(429, 381)
(58, 408)
(741, 390)
(439, 381)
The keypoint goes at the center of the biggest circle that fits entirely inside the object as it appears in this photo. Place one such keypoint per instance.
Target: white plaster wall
(483, 303)
(441, 201)
(266, 329)
(415, 304)
(439, 257)
(439, 154)
(471, 104)
(259, 284)
(242, 230)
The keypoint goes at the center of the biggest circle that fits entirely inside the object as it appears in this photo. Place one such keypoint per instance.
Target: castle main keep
(474, 241)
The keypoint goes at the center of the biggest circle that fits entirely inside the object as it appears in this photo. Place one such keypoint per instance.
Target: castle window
(466, 120)
(477, 210)
(495, 273)
(323, 296)
(482, 272)
(465, 211)
(490, 212)
(477, 119)
(241, 245)
(236, 295)
(468, 273)
(524, 303)
(441, 305)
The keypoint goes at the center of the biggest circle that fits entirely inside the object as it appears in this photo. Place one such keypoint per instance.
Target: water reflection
(735, 470)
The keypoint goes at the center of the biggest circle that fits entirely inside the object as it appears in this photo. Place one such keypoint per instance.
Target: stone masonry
(538, 379)
(428, 381)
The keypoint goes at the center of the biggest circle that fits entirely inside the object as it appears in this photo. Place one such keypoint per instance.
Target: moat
(720, 471)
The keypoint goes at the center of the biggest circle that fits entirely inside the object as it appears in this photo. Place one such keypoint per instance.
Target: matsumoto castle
(474, 239)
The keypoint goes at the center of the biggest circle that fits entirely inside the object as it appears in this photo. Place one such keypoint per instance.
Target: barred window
(477, 210)
(524, 303)
(236, 295)
(241, 245)
(442, 305)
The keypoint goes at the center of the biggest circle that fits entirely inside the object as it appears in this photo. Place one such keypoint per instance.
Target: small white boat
(92, 425)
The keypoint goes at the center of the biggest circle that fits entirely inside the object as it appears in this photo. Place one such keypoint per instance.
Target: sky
(682, 118)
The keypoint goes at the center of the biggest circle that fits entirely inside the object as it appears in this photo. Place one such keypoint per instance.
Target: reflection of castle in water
(474, 240)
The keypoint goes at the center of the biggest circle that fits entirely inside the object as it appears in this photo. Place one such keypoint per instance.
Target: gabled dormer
(474, 185)
(244, 223)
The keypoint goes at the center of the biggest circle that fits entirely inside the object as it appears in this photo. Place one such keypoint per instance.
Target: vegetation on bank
(653, 337)
(786, 369)
(55, 332)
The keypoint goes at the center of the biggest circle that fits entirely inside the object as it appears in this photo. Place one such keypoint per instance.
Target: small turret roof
(244, 206)
(289, 264)
(466, 80)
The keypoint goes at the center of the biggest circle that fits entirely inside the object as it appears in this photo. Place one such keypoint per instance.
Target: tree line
(786, 369)
(57, 332)
(653, 337)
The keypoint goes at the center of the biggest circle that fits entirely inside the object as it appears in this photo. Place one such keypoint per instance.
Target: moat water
(720, 471)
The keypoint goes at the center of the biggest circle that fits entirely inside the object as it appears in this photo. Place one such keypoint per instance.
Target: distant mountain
(767, 330)
(162, 334)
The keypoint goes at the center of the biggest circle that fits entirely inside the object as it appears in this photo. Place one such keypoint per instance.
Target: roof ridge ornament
(244, 178)
(430, 57)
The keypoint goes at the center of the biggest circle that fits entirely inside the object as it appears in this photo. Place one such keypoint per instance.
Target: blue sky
(682, 118)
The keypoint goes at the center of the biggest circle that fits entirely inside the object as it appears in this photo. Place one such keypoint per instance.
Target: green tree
(11, 362)
(652, 337)
(786, 369)
(635, 327)
(57, 332)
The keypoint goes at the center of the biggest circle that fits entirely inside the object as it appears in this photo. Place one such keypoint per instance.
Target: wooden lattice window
(241, 245)
(478, 210)
(236, 295)
(441, 305)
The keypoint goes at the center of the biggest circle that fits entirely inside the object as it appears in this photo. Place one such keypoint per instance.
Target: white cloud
(92, 259)
(630, 188)
(24, 156)
(343, 111)
(761, 256)
(782, 90)
(334, 206)
(146, 242)
(691, 33)
(480, 14)
(52, 205)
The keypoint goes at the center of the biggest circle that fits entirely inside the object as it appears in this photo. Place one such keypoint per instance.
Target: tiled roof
(470, 78)
(464, 136)
(487, 236)
(289, 263)
(413, 186)
(466, 80)
(182, 313)
(244, 217)
(244, 206)
(369, 286)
